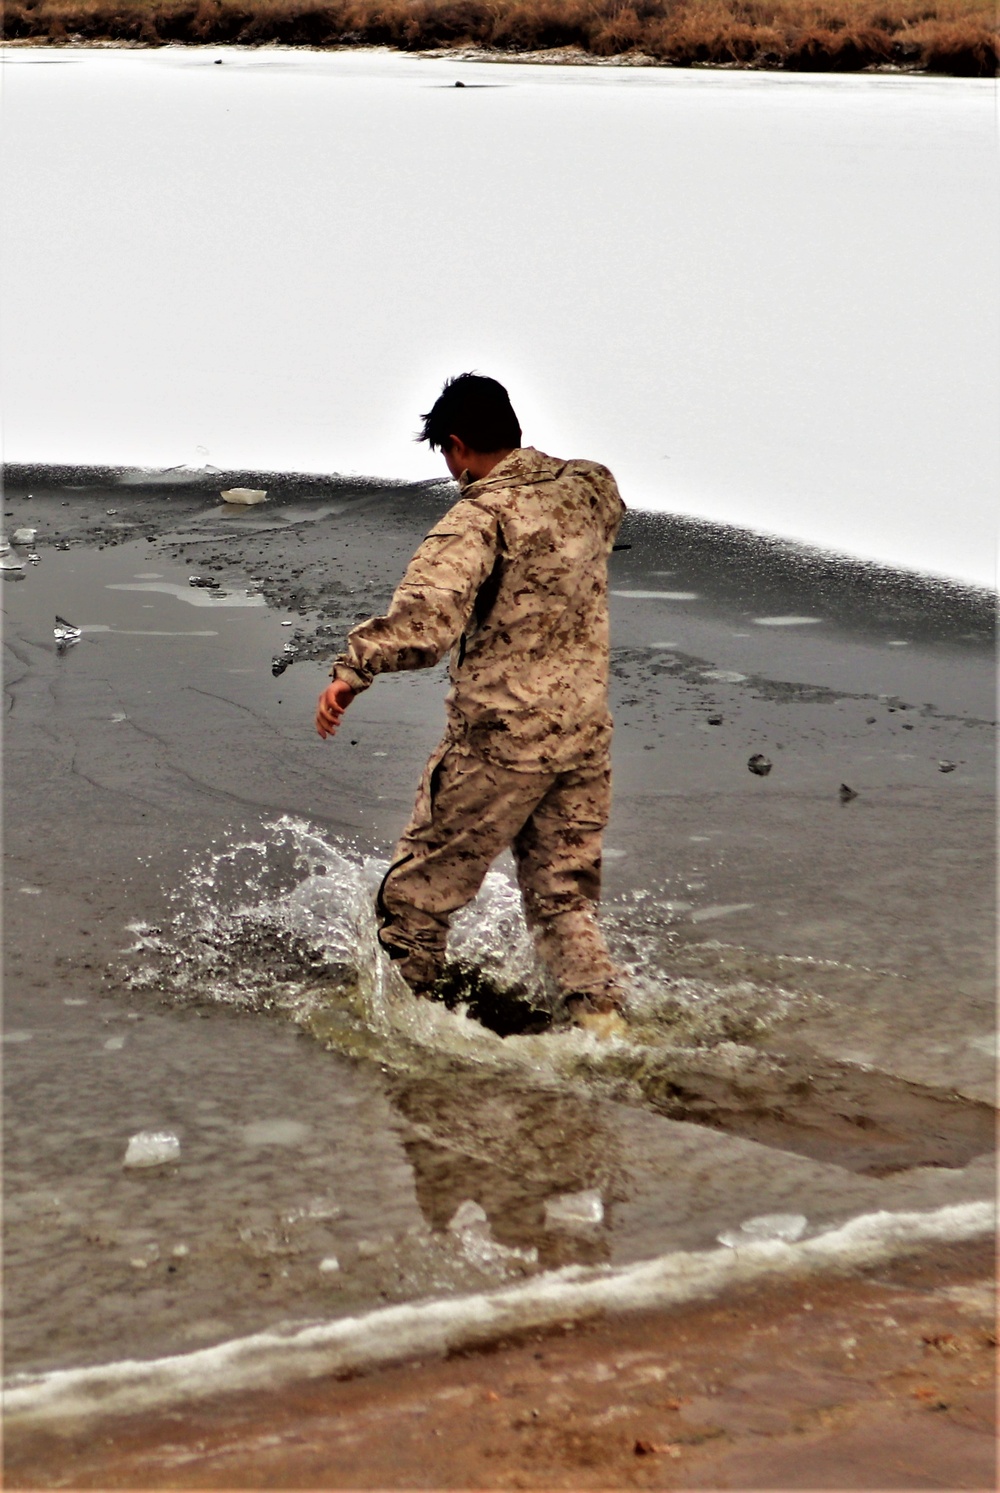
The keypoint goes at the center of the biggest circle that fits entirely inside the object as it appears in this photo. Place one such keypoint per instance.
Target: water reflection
(478, 1136)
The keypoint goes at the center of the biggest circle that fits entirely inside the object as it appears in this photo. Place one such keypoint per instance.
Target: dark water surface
(190, 943)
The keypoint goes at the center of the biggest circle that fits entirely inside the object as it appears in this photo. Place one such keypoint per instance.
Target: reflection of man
(479, 1136)
(513, 580)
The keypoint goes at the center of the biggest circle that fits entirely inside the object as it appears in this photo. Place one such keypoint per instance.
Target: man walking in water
(513, 581)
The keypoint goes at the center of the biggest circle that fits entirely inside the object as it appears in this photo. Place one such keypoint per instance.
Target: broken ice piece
(278, 666)
(468, 1215)
(65, 634)
(33, 558)
(203, 582)
(330, 1265)
(24, 536)
(152, 1148)
(786, 1227)
(4, 544)
(946, 767)
(11, 562)
(574, 1210)
(245, 495)
(759, 765)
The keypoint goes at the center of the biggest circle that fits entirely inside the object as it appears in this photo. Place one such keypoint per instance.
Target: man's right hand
(332, 703)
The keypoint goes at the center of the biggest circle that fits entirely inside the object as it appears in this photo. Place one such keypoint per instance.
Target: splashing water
(285, 924)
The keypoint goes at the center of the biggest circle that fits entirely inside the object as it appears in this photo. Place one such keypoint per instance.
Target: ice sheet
(766, 300)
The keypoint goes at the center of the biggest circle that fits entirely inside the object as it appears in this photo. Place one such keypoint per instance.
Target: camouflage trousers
(467, 811)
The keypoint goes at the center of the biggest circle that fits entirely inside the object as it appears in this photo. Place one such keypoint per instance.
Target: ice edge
(275, 1356)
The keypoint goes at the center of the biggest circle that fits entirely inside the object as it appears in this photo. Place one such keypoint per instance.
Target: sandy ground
(879, 1380)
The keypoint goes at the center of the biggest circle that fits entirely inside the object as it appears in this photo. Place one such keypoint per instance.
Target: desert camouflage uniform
(513, 579)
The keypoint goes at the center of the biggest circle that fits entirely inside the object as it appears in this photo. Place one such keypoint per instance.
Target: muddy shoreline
(165, 732)
(882, 1378)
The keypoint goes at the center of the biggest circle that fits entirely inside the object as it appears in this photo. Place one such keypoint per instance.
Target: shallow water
(764, 299)
(208, 967)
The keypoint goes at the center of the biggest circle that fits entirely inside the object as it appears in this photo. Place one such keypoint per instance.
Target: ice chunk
(330, 1265)
(24, 536)
(469, 1216)
(11, 562)
(574, 1210)
(245, 495)
(66, 634)
(152, 1148)
(786, 1227)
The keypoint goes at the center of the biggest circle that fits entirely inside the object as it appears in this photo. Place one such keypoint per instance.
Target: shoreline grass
(953, 37)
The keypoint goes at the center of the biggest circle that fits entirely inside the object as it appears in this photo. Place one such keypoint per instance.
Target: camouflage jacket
(513, 580)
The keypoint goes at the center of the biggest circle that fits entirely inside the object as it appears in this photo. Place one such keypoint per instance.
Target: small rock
(846, 794)
(279, 665)
(870, 720)
(759, 765)
(947, 766)
(715, 720)
(330, 1265)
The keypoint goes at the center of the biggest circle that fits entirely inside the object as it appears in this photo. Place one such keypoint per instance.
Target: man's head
(472, 424)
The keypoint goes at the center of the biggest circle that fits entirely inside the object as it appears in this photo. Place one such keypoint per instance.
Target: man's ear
(458, 448)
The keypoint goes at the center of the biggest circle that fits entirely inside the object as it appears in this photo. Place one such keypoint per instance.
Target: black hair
(476, 409)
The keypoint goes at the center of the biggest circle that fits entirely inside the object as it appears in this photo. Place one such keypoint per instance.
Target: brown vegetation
(959, 37)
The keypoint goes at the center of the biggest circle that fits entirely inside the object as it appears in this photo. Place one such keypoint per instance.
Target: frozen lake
(767, 300)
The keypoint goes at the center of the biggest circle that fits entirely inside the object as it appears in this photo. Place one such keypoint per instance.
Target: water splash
(284, 922)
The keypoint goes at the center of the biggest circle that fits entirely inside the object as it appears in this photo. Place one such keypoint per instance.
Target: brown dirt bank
(877, 1380)
(958, 37)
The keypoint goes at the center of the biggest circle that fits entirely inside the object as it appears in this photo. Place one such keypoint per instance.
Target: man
(513, 581)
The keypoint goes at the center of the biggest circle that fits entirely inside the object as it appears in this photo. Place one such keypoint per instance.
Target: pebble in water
(152, 1148)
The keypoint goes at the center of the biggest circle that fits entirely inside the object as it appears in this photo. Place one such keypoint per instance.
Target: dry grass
(943, 36)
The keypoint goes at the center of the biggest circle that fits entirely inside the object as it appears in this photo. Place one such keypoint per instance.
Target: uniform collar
(523, 466)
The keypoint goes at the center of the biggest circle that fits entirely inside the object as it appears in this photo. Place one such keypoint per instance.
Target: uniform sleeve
(432, 604)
